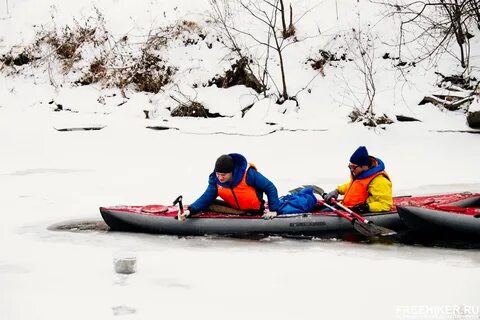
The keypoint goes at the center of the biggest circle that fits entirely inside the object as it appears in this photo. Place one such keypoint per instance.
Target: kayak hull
(158, 219)
(310, 224)
(432, 220)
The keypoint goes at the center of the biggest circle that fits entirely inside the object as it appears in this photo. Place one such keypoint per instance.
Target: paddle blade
(295, 190)
(365, 229)
(371, 230)
(316, 189)
(383, 231)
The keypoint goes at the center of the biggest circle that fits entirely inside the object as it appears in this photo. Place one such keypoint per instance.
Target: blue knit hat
(360, 157)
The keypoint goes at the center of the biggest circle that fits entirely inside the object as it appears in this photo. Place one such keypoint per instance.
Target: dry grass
(192, 109)
(86, 53)
(238, 75)
(369, 119)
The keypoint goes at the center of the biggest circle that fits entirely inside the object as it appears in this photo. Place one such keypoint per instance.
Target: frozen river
(50, 177)
(55, 275)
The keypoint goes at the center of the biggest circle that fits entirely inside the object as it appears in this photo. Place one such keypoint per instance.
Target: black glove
(331, 195)
(192, 210)
(361, 208)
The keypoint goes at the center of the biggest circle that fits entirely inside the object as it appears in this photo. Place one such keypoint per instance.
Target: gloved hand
(183, 216)
(361, 208)
(331, 195)
(269, 214)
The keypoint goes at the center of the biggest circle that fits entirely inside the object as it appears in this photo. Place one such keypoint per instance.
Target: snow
(50, 176)
(475, 106)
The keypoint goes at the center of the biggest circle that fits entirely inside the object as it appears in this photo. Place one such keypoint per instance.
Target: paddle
(364, 223)
(362, 227)
(316, 189)
(179, 200)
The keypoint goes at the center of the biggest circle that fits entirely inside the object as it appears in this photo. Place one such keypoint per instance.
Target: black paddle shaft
(179, 200)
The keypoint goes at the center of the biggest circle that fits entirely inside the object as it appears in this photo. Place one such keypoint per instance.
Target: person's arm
(261, 183)
(206, 198)
(380, 194)
(343, 187)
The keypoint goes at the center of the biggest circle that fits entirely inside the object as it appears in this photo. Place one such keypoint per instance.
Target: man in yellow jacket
(369, 188)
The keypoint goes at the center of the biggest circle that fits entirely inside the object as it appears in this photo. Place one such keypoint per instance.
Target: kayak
(460, 217)
(160, 219)
(136, 219)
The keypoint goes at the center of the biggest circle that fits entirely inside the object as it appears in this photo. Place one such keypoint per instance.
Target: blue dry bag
(297, 202)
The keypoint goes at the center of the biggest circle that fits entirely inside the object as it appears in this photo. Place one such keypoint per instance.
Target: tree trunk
(284, 93)
(284, 24)
(291, 17)
(284, 81)
(455, 14)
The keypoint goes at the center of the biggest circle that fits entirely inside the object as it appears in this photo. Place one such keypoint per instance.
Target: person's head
(359, 161)
(224, 168)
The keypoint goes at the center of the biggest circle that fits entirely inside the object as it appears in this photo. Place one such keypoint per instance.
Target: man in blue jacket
(240, 185)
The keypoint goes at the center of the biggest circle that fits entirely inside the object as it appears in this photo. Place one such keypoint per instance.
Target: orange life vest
(242, 196)
(357, 192)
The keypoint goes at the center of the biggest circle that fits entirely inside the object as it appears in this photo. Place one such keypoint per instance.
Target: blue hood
(239, 166)
(380, 166)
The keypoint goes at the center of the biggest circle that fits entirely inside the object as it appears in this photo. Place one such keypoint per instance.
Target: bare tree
(365, 66)
(290, 30)
(362, 48)
(474, 11)
(268, 14)
(222, 16)
(435, 25)
(363, 52)
(458, 27)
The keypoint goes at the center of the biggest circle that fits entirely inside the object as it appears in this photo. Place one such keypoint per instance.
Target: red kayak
(161, 219)
(459, 215)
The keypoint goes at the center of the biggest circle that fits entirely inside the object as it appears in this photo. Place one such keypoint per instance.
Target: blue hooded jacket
(380, 166)
(254, 178)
